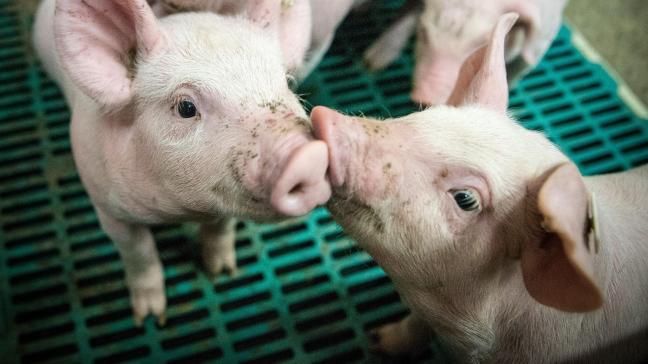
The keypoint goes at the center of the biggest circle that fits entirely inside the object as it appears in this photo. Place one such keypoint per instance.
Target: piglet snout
(303, 184)
(324, 122)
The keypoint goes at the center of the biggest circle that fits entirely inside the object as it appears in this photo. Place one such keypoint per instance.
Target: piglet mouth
(324, 122)
(302, 185)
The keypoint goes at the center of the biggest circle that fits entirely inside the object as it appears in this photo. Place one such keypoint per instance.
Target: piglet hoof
(376, 57)
(218, 247)
(388, 340)
(147, 294)
(221, 263)
(148, 300)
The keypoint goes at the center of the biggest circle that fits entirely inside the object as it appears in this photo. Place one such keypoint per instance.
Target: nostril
(299, 188)
(303, 184)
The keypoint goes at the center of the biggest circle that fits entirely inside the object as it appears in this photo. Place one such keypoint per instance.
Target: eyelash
(467, 199)
(184, 98)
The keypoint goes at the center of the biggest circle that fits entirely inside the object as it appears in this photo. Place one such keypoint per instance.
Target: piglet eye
(187, 109)
(466, 199)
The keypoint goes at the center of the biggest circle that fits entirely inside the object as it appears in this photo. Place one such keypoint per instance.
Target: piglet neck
(621, 231)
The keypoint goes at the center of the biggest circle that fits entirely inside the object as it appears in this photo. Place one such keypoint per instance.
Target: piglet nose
(303, 184)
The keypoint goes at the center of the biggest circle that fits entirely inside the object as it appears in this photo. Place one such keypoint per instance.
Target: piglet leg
(217, 239)
(391, 43)
(144, 275)
(409, 336)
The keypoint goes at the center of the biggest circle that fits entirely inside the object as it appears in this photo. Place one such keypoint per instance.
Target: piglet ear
(98, 42)
(558, 270)
(482, 78)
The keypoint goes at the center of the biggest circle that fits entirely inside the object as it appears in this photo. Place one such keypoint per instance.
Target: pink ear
(98, 41)
(558, 270)
(482, 78)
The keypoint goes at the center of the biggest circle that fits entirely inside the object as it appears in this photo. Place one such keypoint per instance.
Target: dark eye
(467, 199)
(187, 109)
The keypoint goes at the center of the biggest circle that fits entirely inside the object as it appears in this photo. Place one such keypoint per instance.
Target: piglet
(489, 233)
(448, 31)
(186, 118)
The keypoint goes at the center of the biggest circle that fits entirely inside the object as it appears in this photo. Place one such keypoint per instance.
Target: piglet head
(458, 200)
(289, 22)
(228, 7)
(203, 102)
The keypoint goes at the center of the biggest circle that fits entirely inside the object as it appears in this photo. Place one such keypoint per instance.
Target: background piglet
(184, 118)
(305, 28)
(484, 227)
(448, 31)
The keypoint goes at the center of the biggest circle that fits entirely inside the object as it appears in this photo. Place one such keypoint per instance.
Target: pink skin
(389, 156)
(300, 185)
(434, 79)
(304, 28)
(448, 31)
(520, 275)
(246, 152)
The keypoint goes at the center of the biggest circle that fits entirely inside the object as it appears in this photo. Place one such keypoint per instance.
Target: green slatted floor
(304, 293)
